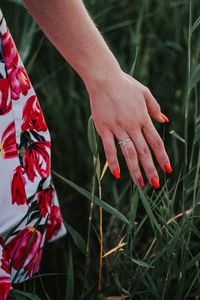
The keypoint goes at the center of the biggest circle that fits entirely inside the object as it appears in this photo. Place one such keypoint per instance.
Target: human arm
(120, 105)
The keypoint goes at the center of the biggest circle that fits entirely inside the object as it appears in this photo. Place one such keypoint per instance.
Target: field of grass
(153, 235)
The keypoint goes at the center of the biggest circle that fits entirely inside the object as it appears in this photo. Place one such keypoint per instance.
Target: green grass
(158, 41)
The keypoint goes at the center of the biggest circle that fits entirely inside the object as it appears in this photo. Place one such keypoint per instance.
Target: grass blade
(24, 295)
(70, 277)
(149, 210)
(97, 201)
(78, 240)
(195, 77)
(195, 25)
(92, 136)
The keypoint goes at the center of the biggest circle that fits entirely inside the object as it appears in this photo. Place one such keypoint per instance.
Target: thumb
(154, 108)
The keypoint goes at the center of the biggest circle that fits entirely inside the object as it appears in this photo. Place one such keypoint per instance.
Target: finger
(153, 107)
(154, 140)
(111, 153)
(131, 158)
(145, 157)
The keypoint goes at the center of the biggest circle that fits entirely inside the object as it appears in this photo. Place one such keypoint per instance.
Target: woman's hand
(122, 107)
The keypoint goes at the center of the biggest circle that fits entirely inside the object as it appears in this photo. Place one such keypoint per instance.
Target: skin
(121, 106)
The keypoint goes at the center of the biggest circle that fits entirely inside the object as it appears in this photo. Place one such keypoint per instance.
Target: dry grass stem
(116, 249)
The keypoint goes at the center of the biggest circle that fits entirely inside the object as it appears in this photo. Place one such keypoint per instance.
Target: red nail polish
(165, 118)
(155, 182)
(141, 182)
(168, 168)
(116, 173)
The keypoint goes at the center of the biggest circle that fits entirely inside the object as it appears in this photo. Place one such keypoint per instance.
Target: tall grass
(122, 241)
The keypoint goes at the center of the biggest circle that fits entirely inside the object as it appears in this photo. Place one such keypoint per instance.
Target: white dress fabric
(29, 207)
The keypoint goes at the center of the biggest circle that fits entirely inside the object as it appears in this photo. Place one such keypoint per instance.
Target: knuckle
(130, 152)
(112, 161)
(144, 152)
(164, 158)
(151, 170)
(111, 153)
(110, 150)
(146, 119)
(158, 144)
(134, 130)
(156, 105)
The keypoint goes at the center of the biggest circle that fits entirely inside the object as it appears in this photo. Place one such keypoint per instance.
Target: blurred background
(153, 38)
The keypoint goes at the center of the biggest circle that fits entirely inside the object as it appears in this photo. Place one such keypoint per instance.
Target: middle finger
(145, 157)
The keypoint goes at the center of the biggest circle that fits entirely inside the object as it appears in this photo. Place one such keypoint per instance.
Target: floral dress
(29, 208)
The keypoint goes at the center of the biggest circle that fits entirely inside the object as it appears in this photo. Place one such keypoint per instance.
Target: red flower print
(5, 101)
(8, 146)
(45, 198)
(54, 223)
(36, 158)
(25, 250)
(5, 261)
(34, 264)
(18, 187)
(1, 240)
(32, 115)
(5, 287)
(19, 82)
(5, 277)
(9, 49)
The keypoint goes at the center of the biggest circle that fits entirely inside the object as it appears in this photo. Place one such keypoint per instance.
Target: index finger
(157, 145)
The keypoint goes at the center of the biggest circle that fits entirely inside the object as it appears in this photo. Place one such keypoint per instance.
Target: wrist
(102, 76)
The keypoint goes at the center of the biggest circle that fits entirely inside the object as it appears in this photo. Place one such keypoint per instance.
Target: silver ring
(124, 141)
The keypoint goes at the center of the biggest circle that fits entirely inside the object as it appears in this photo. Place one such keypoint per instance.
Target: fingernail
(141, 181)
(155, 182)
(116, 173)
(168, 168)
(165, 118)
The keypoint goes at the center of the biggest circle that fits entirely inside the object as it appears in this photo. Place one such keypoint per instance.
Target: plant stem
(89, 230)
(188, 85)
(101, 241)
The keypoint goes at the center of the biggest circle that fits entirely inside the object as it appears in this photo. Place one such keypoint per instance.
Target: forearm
(121, 106)
(69, 27)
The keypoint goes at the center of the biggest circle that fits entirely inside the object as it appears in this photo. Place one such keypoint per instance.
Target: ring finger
(131, 158)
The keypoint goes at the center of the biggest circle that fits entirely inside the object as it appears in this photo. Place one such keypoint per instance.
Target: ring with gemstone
(124, 141)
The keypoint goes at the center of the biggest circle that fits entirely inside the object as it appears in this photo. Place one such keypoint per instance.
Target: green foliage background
(155, 33)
